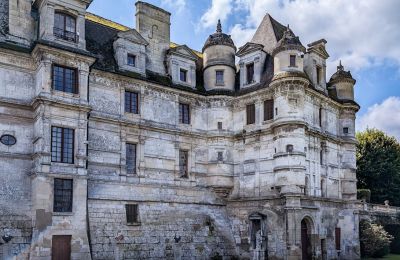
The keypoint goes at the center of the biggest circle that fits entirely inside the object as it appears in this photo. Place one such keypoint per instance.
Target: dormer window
(219, 75)
(292, 61)
(65, 27)
(183, 75)
(318, 71)
(132, 60)
(250, 73)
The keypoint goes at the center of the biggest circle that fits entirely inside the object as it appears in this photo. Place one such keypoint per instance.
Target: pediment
(249, 48)
(184, 51)
(133, 36)
(319, 48)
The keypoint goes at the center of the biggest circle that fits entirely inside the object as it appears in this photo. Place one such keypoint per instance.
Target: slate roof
(341, 74)
(4, 17)
(219, 38)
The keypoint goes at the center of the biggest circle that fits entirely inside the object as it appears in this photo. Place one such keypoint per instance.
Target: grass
(388, 257)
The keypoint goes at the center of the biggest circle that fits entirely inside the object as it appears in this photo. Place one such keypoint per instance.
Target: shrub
(364, 194)
(374, 240)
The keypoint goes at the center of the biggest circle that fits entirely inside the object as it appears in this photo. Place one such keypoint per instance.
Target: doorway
(306, 250)
(61, 248)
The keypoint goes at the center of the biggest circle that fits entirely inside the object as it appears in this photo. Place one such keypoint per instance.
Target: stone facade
(274, 182)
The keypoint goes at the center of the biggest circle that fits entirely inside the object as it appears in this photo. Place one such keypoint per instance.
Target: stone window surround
(217, 83)
(176, 63)
(243, 68)
(184, 147)
(60, 213)
(133, 57)
(66, 13)
(139, 154)
(122, 105)
(76, 91)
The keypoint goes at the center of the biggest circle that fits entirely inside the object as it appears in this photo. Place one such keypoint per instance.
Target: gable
(183, 51)
(133, 36)
(249, 48)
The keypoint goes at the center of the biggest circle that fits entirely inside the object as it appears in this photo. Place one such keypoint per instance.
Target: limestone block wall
(21, 26)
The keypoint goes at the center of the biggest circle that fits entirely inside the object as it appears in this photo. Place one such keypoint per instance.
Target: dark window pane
(63, 192)
(184, 113)
(131, 158)
(183, 75)
(251, 114)
(292, 60)
(131, 102)
(337, 238)
(268, 109)
(131, 60)
(132, 213)
(219, 74)
(64, 79)
(250, 73)
(318, 71)
(62, 145)
(65, 27)
(345, 130)
(183, 164)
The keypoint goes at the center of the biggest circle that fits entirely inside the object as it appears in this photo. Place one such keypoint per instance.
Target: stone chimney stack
(153, 23)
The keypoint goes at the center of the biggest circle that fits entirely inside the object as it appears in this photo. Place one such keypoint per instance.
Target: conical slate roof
(219, 38)
(289, 41)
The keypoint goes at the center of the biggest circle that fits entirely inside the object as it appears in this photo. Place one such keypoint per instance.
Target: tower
(219, 61)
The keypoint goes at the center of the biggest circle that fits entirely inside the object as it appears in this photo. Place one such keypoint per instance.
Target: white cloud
(177, 5)
(384, 116)
(220, 9)
(360, 33)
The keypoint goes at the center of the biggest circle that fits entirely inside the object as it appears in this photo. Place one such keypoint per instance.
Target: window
(292, 61)
(183, 75)
(132, 60)
(62, 195)
(65, 79)
(131, 102)
(184, 113)
(65, 27)
(268, 109)
(62, 145)
(219, 125)
(289, 148)
(250, 73)
(219, 75)
(183, 164)
(131, 158)
(337, 238)
(220, 156)
(255, 229)
(132, 213)
(345, 130)
(323, 190)
(320, 117)
(251, 114)
(8, 140)
(318, 71)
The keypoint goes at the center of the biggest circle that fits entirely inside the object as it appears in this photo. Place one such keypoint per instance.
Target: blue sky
(363, 34)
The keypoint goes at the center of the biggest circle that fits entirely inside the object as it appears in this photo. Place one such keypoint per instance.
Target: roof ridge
(106, 22)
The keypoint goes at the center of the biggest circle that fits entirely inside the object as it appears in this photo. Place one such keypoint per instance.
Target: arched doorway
(306, 248)
(258, 236)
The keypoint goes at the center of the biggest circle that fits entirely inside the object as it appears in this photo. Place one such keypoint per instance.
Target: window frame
(289, 148)
(184, 174)
(250, 65)
(345, 130)
(70, 206)
(75, 87)
(268, 109)
(292, 60)
(128, 107)
(62, 145)
(185, 73)
(184, 114)
(250, 114)
(318, 71)
(132, 219)
(134, 159)
(132, 56)
(65, 15)
(338, 238)
(219, 83)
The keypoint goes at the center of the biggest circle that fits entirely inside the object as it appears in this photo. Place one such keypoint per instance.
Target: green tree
(378, 166)
(374, 240)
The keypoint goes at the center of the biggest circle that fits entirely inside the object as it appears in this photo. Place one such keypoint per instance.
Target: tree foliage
(378, 166)
(374, 240)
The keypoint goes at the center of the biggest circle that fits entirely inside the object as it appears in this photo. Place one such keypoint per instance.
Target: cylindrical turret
(219, 61)
(288, 54)
(343, 83)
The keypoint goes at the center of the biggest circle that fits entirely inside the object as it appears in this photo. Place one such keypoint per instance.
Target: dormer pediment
(319, 48)
(249, 48)
(183, 51)
(133, 36)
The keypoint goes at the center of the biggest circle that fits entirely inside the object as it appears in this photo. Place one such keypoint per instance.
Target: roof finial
(219, 26)
(340, 67)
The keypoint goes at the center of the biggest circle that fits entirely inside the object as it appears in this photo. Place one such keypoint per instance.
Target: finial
(340, 67)
(219, 26)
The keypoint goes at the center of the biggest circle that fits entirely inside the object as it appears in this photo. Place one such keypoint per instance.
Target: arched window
(65, 27)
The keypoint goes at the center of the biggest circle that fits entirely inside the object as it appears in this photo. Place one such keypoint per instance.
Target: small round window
(8, 140)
